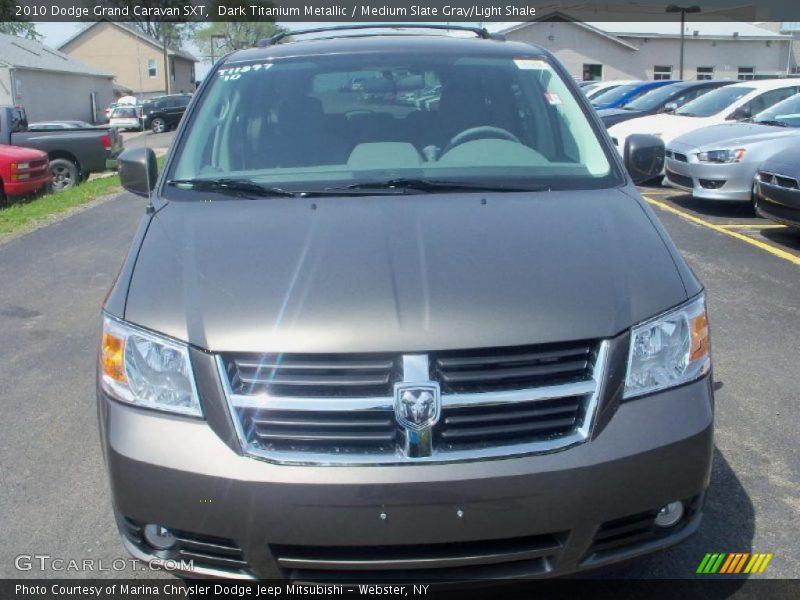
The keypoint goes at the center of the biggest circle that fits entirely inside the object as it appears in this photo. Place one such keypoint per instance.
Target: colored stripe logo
(735, 562)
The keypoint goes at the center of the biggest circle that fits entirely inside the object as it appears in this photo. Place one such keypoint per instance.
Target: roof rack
(481, 32)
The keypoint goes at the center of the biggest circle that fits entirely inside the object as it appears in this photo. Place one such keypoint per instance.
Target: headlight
(722, 156)
(669, 350)
(148, 370)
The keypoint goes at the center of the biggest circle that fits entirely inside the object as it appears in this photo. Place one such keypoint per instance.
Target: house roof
(559, 16)
(658, 29)
(21, 53)
(145, 38)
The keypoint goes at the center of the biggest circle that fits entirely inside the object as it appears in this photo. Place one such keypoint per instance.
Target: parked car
(778, 188)
(74, 153)
(320, 327)
(600, 87)
(734, 102)
(661, 99)
(720, 162)
(23, 171)
(50, 125)
(621, 95)
(126, 118)
(165, 112)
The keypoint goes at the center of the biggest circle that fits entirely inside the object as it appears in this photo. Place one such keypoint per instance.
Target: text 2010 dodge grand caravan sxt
(398, 310)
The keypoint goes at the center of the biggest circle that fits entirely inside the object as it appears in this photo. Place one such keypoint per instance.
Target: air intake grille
(778, 180)
(307, 409)
(296, 429)
(423, 560)
(312, 375)
(503, 423)
(512, 368)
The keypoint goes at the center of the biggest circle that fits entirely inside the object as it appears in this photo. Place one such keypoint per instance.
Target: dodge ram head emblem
(417, 406)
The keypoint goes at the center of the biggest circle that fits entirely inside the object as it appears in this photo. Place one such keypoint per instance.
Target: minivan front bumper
(533, 516)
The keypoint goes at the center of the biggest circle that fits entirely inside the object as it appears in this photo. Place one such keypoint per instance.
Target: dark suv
(164, 112)
(434, 339)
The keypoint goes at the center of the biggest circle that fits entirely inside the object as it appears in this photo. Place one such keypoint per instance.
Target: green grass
(20, 215)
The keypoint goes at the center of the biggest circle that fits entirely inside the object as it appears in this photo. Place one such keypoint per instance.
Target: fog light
(159, 537)
(670, 514)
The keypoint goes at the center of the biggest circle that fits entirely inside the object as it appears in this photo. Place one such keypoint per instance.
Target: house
(136, 60)
(51, 85)
(651, 49)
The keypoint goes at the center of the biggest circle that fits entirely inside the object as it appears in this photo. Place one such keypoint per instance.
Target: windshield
(124, 112)
(786, 112)
(343, 120)
(654, 98)
(615, 94)
(713, 102)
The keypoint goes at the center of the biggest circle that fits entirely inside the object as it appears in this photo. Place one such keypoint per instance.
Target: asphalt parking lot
(54, 497)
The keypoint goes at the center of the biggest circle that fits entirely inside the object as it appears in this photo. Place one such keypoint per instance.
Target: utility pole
(166, 61)
(672, 8)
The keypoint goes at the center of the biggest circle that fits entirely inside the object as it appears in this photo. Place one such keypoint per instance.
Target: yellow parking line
(774, 250)
(751, 226)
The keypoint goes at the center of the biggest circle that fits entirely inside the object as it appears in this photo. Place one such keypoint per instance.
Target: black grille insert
(313, 430)
(520, 367)
(679, 179)
(510, 422)
(778, 180)
(312, 375)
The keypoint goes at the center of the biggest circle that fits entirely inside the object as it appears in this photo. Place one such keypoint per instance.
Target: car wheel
(159, 125)
(65, 174)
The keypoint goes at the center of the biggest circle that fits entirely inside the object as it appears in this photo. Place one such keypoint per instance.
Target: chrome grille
(494, 403)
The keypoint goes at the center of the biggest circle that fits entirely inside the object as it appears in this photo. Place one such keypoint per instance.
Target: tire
(65, 174)
(158, 125)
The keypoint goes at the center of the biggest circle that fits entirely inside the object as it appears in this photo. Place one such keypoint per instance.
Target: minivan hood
(733, 135)
(400, 273)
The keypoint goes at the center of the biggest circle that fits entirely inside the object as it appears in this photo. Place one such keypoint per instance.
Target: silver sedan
(720, 162)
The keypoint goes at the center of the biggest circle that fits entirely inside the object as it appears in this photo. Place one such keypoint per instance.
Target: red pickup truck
(22, 171)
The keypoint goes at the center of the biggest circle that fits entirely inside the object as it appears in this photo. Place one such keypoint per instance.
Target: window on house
(152, 70)
(747, 73)
(172, 68)
(592, 72)
(705, 73)
(662, 72)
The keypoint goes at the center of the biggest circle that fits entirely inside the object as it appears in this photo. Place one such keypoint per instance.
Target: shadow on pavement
(788, 238)
(726, 209)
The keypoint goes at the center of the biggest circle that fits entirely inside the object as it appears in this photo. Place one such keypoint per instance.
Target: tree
(21, 29)
(234, 33)
(11, 25)
(155, 27)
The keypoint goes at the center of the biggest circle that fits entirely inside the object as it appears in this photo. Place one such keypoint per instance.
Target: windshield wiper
(771, 122)
(432, 185)
(241, 187)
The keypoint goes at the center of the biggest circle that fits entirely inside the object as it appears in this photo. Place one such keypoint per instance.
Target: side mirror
(740, 114)
(138, 170)
(670, 107)
(643, 156)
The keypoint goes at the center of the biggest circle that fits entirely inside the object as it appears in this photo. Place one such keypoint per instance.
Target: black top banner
(392, 11)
